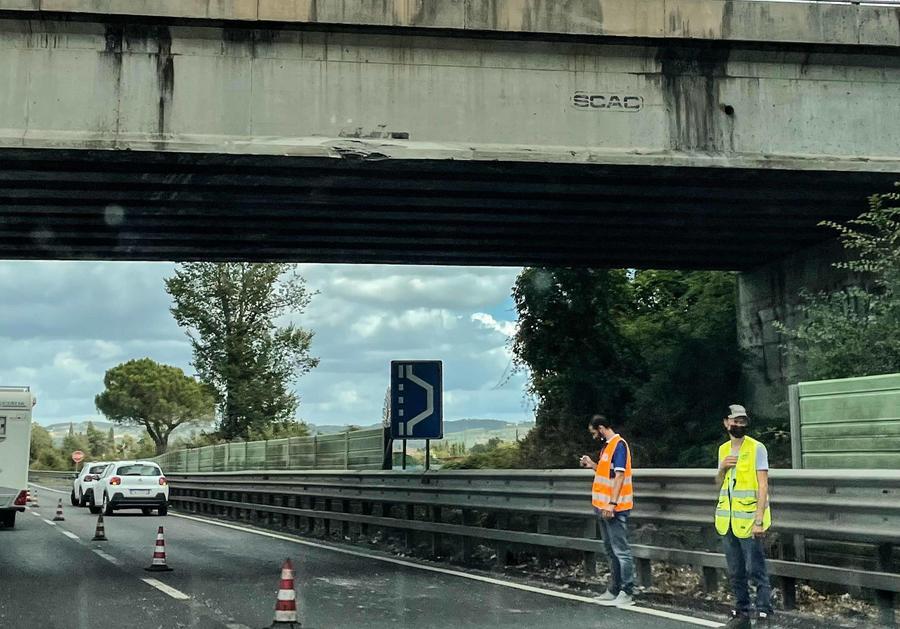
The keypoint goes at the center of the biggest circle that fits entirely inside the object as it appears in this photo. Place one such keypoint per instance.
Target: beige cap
(737, 411)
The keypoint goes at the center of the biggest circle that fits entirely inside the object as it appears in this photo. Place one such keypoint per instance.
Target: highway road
(226, 576)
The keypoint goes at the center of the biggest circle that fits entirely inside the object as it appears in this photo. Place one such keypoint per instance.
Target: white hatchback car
(83, 486)
(131, 485)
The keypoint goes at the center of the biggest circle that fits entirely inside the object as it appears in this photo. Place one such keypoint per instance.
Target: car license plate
(140, 492)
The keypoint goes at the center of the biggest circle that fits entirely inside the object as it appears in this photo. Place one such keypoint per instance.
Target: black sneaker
(738, 621)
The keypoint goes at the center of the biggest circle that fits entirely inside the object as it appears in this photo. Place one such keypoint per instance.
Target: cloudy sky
(63, 324)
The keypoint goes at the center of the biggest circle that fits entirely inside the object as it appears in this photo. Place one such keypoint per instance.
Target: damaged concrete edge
(380, 149)
(731, 20)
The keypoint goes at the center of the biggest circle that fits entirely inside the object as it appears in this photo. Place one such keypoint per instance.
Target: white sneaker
(623, 600)
(606, 598)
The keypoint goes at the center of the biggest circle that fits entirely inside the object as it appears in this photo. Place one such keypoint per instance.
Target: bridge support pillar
(770, 294)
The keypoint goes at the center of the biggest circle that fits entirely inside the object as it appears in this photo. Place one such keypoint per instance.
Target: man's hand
(758, 530)
(607, 513)
(587, 461)
(728, 462)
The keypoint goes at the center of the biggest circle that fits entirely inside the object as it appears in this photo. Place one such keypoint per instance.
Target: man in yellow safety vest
(743, 517)
(612, 497)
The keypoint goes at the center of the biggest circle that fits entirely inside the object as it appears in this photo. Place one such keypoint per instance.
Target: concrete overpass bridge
(651, 133)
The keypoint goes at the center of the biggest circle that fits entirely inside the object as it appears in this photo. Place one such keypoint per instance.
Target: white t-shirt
(762, 457)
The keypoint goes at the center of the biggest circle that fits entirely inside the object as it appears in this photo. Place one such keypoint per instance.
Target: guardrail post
(710, 579)
(468, 544)
(644, 571)
(885, 599)
(344, 507)
(543, 553)
(347, 450)
(589, 558)
(500, 548)
(434, 515)
(409, 513)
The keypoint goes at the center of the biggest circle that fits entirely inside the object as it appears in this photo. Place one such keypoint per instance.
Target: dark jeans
(621, 561)
(747, 560)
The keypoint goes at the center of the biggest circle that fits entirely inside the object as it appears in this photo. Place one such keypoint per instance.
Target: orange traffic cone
(286, 604)
(59, 514)
(100, 532)
(159, 554)
(34, 500)
(27, 495)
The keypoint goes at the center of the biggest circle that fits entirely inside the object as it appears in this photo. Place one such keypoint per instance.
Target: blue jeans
(621, 561)
(746, 558)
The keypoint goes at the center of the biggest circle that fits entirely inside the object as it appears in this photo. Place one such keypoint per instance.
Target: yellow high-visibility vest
(739, 492)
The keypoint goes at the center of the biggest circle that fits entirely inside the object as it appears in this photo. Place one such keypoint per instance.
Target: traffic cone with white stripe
(34, 500)
(286, 604)
(159, 554)
(59, 514)
(100, 531)
(27, 495)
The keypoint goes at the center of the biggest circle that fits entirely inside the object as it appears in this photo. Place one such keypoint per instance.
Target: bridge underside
(130, 205)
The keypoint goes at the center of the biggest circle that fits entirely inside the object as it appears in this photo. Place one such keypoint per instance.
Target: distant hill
(450, 427)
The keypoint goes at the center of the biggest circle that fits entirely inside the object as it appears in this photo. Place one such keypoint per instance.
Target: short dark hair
(600, 420)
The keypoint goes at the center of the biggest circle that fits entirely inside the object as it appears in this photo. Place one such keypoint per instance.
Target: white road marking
(702, 622)
(50, 522)
(105, 556)
(56, 491)
(68, 534)
(162, 587)
(35, 513)
(236, 625)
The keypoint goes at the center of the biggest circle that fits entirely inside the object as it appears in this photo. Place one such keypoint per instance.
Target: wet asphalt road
(51, 576)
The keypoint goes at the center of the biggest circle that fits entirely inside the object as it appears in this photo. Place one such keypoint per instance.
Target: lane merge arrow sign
(417, 399)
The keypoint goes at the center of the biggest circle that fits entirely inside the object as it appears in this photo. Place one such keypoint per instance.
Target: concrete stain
(165, 77)
(690, 85)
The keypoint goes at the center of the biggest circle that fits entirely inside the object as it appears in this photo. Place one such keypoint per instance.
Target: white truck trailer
(15, 445)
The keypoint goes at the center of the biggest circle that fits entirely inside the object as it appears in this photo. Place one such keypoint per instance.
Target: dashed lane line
(107, 557)
(167, 589)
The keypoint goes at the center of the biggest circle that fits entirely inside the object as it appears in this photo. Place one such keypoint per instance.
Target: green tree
(158, 397)
(42, 449)
(76, 441)
(492, 455)
(280, 430)
(144, 448)
(98, 442)
(230, 311)
(578, 359)
(854, 332)
(685, 326)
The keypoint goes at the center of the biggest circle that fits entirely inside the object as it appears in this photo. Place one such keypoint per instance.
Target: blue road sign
(417, 409)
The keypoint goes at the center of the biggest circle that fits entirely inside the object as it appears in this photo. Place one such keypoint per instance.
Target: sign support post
(416, 403)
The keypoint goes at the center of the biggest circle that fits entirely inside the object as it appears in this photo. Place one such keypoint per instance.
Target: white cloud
(506, 328)
(73, 321)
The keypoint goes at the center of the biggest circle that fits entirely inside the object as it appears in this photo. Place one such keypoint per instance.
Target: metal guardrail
(550, 509)
(42, 474)
(350, 450)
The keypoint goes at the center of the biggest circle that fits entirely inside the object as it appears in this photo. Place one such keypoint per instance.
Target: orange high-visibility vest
(601, 492)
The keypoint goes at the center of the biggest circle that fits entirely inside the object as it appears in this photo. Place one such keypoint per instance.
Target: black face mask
(737, 431)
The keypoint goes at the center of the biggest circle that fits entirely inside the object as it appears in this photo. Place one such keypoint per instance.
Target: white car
(83, 485)
(131, 485)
